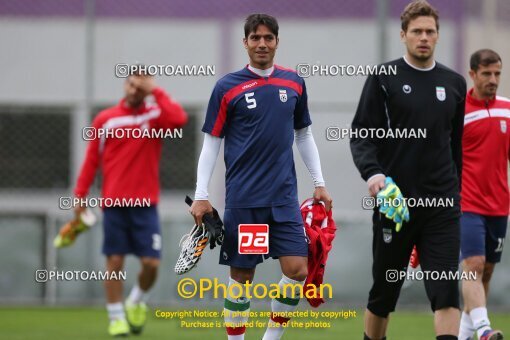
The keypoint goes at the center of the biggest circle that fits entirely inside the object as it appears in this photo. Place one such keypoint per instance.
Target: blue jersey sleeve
(216, 113)
(301, 114)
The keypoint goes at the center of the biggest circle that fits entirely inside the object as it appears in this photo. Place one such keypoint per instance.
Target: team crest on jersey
(387, 235)
(440, 93)
(283, 96)
(406, 88)
(503, 125)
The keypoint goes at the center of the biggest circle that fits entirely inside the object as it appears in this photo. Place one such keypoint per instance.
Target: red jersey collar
(477, 102)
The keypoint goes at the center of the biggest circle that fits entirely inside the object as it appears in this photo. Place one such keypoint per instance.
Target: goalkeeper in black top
(424, 169)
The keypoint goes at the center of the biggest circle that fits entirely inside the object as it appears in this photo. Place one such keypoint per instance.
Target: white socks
(137, 295)
(480, 320)
(115, 311)
(236, 313)
(466, 327)
(281, 306)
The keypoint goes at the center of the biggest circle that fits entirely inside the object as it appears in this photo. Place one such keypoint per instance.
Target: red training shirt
(486, 150)
(130, 166)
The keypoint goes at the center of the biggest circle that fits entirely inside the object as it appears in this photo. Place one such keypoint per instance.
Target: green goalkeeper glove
(393, 204)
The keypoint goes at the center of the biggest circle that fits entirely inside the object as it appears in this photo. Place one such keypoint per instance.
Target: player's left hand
(397, 210)
(78, 210)
(322, 195)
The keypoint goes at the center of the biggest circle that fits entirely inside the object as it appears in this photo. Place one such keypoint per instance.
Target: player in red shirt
(485, 195)
(130, 170)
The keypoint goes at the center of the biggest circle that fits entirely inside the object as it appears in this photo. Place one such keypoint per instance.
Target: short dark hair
(416, 9)
(254, 20)
(483, 57)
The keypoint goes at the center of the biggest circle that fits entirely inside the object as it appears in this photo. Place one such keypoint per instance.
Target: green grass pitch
(90, 323)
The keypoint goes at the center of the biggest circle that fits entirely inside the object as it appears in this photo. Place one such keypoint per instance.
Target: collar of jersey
(479, 102)
(125, 108)
(420, 69)
(254, 71)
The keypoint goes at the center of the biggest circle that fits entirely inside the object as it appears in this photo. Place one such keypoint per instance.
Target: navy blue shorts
(482, 236)
(132, 231)
(287, 235)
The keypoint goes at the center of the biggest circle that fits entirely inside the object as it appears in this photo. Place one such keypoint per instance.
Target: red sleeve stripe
(236, 330)
(247, 86)
(220, 120)
(231, 94)
(284, 68)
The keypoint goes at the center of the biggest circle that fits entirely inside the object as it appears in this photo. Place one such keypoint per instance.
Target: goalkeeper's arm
(369, 114)
(206, 164)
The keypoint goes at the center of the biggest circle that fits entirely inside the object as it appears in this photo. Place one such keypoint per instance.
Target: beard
(421, 56)
(489, 91)
(134, 102)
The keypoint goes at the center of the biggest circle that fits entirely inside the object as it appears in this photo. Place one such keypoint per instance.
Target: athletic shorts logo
(440, 93)
(387, 235)
(306, 236)
(242, 299)
(253, 239)
(283, 96)
(501, 243)
(406, 88)
(503, 125)
(156, 241)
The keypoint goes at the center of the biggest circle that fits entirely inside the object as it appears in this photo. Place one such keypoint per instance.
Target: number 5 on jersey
(252, 103)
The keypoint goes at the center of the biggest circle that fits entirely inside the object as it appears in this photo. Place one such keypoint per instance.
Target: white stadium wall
(43, 63)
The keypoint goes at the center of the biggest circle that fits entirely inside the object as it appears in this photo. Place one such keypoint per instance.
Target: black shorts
(436, 234)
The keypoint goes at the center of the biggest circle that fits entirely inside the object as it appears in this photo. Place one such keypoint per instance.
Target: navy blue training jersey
(257, 117)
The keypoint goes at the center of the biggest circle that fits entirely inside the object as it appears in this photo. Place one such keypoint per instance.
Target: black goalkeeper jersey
(431, 101)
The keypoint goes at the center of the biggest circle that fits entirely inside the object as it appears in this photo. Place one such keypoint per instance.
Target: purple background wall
(219, 8)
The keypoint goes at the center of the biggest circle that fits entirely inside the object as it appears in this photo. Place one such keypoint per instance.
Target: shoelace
(186, 239)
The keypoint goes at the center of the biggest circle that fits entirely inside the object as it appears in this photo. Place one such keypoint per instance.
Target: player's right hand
(375, 184)
(199, 208)
(77, 212)
(147, 85)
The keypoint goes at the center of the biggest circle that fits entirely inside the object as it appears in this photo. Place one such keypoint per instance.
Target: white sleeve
(309, 153)
(206, 164)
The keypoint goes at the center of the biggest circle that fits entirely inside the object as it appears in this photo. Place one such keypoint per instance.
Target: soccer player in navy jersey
(259, 111)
